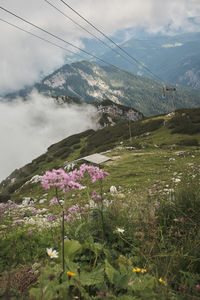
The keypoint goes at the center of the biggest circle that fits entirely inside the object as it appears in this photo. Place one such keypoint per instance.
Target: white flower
(120, 230)
(113, 189)
(176, 180)
(52, 253)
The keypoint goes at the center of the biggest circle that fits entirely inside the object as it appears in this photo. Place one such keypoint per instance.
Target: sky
(24, 59)
(27, 129)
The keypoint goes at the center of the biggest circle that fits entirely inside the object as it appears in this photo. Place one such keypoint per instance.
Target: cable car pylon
(167, 89)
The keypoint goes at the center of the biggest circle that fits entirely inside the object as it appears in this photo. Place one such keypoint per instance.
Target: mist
(28, 128)
(25, 59)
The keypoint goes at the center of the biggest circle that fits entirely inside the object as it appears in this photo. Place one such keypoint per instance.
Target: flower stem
(62, 237)
(101, 210)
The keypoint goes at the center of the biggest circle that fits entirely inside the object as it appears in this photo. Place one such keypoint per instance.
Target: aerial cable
(61, 39)
(57, 37)
(45, 40)
(108, 38)
(90, 33)
(41, 38)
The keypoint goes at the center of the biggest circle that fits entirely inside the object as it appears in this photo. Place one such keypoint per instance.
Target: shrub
(185, 122)
(4, 197)
(188, 142)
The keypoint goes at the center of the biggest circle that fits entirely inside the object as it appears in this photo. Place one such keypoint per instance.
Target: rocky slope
(93, 83)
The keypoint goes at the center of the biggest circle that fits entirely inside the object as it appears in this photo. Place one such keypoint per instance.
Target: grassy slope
(161, 229)
(145, 169)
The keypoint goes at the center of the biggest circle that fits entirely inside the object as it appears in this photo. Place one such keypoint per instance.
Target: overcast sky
(24, 59)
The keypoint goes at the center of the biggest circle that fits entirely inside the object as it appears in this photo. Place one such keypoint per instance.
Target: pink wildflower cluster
(95, 196)
(95, 173)
(9, 209)
(198, 287)
(102, 294)
(74, 212)
(53, 201)
(70, 181)
(61, 179)
(51, 218)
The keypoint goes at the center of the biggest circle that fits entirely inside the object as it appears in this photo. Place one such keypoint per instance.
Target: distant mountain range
(91, 82)
(176, 59)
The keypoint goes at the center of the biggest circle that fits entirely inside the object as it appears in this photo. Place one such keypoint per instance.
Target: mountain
(91, 82)
(157, 135)
(106, 113)
(175, 59)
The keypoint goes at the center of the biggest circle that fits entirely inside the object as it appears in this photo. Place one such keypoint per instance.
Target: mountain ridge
(91, 82)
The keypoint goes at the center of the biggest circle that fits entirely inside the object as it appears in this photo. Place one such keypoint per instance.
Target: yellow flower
(70, 274)
(143, 271)
(162, 281)
(138, 270)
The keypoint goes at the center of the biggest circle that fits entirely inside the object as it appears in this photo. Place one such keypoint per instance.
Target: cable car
(164, 92)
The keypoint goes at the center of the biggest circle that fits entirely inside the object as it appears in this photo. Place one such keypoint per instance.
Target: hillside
(161, 136)
(174, 58)
(91, 83)
(129, 231)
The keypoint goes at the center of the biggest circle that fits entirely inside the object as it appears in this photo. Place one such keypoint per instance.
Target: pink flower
(34, 211)
(53, 201)
(61, 179)
(95, 173)
(69, 218)
(95, 196)
(51, 218)
(198, 287)
(22, 213)
(101, 293)
(74, 208)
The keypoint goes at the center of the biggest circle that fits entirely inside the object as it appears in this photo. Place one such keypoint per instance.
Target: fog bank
(28, 128)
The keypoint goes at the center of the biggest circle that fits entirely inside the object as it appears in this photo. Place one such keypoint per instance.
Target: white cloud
(28, 128)
(172, 45)
(24, 58)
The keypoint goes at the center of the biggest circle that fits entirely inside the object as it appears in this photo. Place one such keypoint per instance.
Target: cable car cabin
(172, 89)
(167, 88)
(164, 92)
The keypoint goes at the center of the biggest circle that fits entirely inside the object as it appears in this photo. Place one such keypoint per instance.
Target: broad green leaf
(72, 248)
(91, 278)
(79, 228)
(121, 281)
(110, 271)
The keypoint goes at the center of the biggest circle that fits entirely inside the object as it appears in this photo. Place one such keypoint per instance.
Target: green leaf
(79, 228)
(91, 278)
(110, 271)
(121, 281)
(71, 249)
(126, 297)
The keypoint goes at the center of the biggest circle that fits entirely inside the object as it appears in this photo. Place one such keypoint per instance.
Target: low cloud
(24, 58)
(29, 127)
